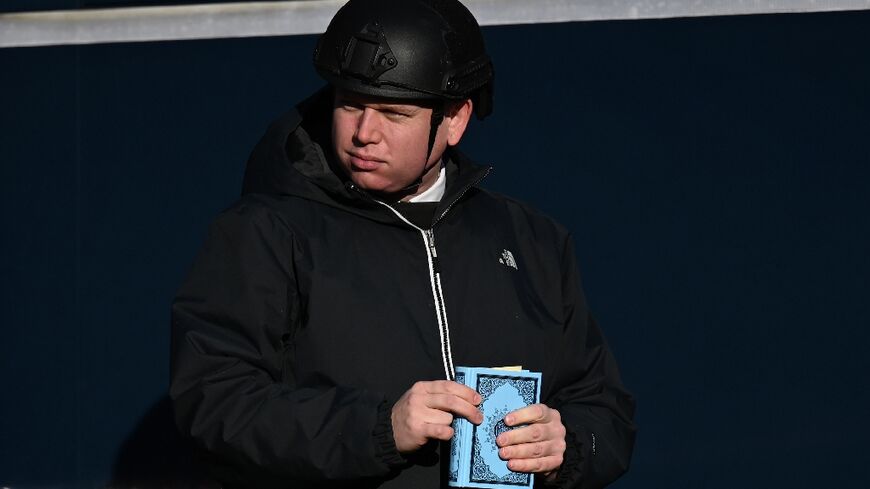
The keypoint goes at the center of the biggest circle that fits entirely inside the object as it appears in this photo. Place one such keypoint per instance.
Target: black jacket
(311, 308)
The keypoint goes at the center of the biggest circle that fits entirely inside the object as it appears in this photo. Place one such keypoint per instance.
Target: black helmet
(407, 49)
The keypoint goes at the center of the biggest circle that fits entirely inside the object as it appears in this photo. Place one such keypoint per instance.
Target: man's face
(382, 143)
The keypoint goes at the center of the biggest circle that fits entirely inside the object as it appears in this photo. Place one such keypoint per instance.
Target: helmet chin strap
(434, 124)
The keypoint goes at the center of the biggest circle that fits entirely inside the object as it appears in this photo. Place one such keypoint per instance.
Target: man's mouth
(364, 162)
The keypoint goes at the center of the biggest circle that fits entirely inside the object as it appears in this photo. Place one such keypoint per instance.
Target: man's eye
(347, 105)
(395, 114)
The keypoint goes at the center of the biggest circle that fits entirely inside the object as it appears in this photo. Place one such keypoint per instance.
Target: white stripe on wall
(255, 19)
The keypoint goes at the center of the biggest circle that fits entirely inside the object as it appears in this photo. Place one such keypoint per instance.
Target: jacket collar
(293, 158)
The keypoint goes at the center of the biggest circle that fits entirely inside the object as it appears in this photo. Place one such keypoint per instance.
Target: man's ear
(458, 115)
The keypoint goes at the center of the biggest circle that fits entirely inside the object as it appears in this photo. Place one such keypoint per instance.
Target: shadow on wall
(156, 455)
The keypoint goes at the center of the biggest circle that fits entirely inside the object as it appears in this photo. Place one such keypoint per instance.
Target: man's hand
(423, 413)
(537, 447)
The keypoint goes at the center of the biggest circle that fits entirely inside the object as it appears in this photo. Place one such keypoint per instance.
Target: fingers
(533, 450)
(534, 433)
(426, 411)
(535, 465)
(542, 423)
(531, 434)
(410, 435)
(414, 423)
(437, 432)
(449, 387)
(431, 416)
(538, 447)
(452, 404)
(448, 396)
(535, 413)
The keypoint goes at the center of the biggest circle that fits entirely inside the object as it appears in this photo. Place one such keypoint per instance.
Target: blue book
(474, 460)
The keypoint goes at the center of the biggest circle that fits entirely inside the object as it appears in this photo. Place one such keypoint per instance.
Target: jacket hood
(294, 158)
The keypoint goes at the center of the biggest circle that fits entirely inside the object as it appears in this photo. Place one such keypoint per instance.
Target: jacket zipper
(437, 293)
(434, 274)
(440, 306)
(461, 194)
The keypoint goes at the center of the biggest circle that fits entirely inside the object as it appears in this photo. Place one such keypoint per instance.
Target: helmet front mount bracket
(367, 54)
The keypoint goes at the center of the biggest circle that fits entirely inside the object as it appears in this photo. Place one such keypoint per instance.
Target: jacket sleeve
(596, 409)
(230, 385)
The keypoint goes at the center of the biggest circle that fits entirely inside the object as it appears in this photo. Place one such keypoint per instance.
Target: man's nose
(368, 130)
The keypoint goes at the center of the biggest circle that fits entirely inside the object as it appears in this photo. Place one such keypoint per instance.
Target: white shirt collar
(436, 191)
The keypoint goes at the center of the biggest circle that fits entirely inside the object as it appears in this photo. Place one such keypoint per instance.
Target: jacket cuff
(571, 472)
(385, 442)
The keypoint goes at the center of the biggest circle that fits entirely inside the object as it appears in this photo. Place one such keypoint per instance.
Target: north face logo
(507, 259)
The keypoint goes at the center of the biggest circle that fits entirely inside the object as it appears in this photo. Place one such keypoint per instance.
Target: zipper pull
(430, 234)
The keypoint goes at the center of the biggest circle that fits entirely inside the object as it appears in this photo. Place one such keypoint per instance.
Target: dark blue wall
(714, 171)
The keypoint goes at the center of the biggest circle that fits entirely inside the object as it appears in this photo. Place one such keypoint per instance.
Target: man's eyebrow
(377, 104)
(394, 107)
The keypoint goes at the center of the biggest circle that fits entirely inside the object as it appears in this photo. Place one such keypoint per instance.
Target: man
(315, 339)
